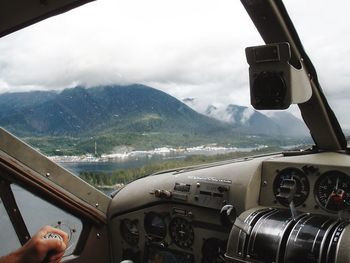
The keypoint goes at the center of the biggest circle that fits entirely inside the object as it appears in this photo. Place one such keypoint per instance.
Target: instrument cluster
(175, 235)
(308, 188)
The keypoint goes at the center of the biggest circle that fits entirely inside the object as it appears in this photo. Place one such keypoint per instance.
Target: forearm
(13, 257)
(38, 247)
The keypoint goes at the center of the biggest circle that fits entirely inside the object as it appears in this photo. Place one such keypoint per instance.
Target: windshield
(324, 31)
(116, 90)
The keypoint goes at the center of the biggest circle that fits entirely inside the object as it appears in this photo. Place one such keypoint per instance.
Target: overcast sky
(184, 47)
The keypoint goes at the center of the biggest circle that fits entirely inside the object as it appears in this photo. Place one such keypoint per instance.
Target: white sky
(187, 48)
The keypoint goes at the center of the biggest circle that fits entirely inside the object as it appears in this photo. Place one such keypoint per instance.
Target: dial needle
(337, 184)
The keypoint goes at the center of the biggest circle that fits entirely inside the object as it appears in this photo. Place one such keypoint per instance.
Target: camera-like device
(274, 83)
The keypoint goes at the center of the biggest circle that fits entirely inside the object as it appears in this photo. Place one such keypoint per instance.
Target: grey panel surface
(241, 177)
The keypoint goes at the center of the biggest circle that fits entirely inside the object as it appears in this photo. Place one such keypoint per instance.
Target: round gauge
(155, 226)
(301, 184)
(129, 231)
(332, 191)
(181, 232)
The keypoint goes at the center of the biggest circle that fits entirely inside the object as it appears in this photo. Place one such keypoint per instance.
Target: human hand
(40, 249)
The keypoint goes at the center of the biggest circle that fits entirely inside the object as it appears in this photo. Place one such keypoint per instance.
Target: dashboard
(288, 209)
(321, 186)
(171, 233)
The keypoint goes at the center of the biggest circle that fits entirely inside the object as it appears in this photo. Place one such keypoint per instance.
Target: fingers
(63, 234)
(49, 229)
(55, 245)
(56, 258)
(39, 248)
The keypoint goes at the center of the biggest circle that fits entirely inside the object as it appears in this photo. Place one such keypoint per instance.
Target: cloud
(185, 48)
(179, 43)
(247, 113)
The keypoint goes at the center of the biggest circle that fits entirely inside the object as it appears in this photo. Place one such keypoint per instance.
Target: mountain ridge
(81, 111)
(70, 122)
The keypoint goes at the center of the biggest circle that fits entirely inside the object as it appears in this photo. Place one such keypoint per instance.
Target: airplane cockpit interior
(280, 207)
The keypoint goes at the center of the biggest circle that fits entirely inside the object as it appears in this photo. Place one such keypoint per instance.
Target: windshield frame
(274, 25)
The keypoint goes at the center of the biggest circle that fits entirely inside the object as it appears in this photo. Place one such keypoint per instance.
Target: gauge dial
(301, 183)
(181, 232)
(129, 231)
(155, 226)
(332, 191)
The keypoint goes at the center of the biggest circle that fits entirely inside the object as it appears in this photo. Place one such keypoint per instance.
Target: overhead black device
(274, 83)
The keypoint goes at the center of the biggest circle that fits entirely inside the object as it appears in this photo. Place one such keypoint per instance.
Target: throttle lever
(288, 189)
(228, 217)
(51, 235)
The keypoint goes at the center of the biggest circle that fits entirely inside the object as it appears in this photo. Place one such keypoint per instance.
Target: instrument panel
(312, 188)
(175, 217)
(171, 233)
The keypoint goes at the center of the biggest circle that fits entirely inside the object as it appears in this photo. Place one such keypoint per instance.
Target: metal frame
(28, 166)
(274, 25)
(13, 212)
(17, 14)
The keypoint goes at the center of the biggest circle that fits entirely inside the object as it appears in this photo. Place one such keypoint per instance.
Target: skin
(38, 249)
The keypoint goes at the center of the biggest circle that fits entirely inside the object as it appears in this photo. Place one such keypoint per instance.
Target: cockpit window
(326, 41)
(8, 234)
(142, 87)
(37, 212)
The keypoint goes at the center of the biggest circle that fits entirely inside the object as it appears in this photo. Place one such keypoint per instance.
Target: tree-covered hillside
(74, 120)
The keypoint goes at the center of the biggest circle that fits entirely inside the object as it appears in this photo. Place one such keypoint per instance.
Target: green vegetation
(99, 179)
(107, 142)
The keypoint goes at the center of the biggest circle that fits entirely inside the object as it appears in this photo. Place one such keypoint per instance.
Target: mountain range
(71, 121)
(86, 112)
(135, 108)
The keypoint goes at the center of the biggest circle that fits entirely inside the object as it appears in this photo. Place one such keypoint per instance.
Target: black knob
(228, 215)
(288, 190)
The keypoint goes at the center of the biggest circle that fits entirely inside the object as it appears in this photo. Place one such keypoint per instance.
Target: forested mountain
(82, 112)
(74, 120)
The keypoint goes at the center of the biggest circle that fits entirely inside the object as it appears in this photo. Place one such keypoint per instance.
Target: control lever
(228, 217)
(287, 192)
(164, 194)
(51, 235)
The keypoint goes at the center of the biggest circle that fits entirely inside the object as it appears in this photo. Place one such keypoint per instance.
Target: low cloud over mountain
(253, 122)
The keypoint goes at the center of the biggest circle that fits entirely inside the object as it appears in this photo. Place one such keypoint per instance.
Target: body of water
(110, 166)
(142, 158)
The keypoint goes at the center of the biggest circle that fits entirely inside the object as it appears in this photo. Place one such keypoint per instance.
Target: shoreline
(164, 152)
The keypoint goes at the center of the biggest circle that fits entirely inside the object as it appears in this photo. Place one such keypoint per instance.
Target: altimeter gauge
(181, 232)
(332, 191)
(129, 231)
